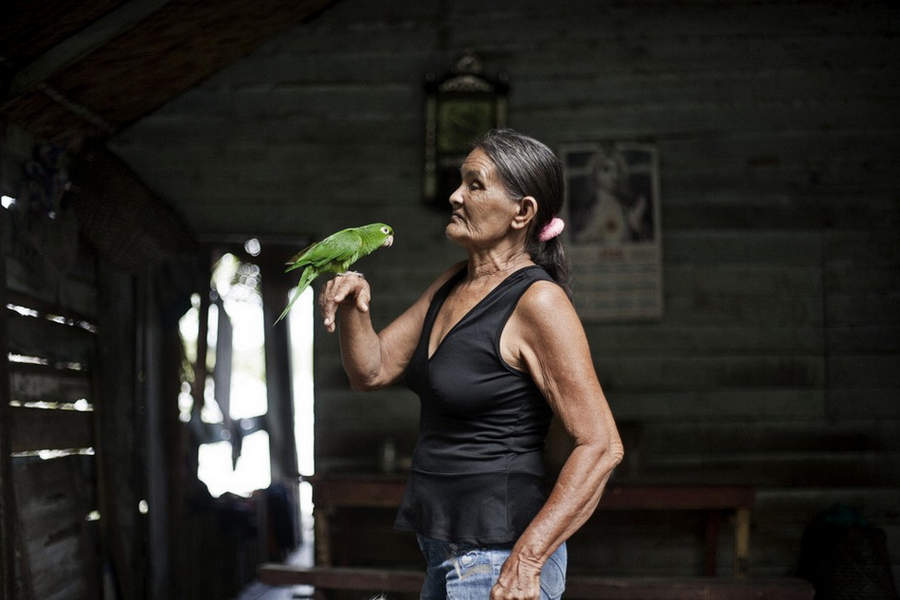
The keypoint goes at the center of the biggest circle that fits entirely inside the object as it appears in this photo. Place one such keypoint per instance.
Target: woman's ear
(526, 213)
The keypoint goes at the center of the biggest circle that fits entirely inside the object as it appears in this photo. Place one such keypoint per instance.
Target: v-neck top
(477, 472)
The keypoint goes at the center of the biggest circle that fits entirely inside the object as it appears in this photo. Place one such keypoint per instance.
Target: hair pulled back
(528, 167)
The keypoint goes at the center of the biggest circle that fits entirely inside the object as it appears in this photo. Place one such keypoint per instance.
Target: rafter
(82, 43)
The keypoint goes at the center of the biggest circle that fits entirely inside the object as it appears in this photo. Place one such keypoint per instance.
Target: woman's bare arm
(373, 360)
(545, 336)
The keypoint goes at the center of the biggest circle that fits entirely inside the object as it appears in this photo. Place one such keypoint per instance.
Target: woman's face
(482, 208)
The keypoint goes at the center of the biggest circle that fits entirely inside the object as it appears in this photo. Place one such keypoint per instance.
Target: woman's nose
(456, 197)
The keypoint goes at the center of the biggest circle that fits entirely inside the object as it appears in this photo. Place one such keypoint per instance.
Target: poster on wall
(613, 230)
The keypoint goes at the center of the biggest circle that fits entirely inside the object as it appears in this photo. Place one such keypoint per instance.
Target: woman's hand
(347, 289)
(519, 579)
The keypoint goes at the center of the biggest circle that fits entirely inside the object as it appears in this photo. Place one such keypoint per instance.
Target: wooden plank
(866, 308)
(850, 278)
(8, 533)
(821, 469)
(81, 43)
(864, 370)
(730, 405)
(683, 588)
(30, 28)
(342, 578)
(198, 40)
(643, 497)
(859, 339)
(611, 340)
(735, 437)
(123, 219)
(374, 491)
(864, 403)
(45, 308)
(70, 296)
(667, 119)
(53, 121)
(772, 279)
(279, 392)
(706, 373)
(577, 586)
(387, 491)
(42, 429)
(119, 427)
(40, 383)
(54, 498)
(57, 343)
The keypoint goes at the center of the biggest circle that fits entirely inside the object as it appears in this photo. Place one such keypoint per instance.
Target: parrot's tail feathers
(308, 275)
(293, 266)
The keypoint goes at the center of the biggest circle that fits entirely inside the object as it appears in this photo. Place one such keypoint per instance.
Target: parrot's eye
(385, 230)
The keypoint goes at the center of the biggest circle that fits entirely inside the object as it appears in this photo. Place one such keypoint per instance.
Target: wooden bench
(607, 588)
(331, 492)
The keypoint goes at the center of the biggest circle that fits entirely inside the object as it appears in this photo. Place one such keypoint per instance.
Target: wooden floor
(302, 557)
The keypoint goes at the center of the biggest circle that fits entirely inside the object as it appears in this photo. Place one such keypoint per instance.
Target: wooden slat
(811, 469)
(640, 497)
(197, 40)
(71, 295)
(42, 429)
(8, 534)
(53, 499)
(387, 491)
(31, 28)
(362, 491)
(31, 336)
(741, 437)
(685, 588)
(69, 289)
(93, 36)
(40, 383)
(343, 578)
(46, 308)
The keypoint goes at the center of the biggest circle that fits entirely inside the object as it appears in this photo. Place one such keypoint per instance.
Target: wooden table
(577, 586)
(333, 491)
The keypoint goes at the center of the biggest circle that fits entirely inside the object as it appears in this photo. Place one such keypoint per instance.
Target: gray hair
(528, 167)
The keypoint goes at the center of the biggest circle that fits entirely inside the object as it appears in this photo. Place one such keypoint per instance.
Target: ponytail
(529, 168)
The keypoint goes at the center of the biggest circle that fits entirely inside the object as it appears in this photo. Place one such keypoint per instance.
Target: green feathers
(336, 253)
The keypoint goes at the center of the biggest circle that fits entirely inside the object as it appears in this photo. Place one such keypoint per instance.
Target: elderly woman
(493, 348)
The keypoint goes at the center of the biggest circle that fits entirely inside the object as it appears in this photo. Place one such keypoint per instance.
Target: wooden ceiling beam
(82, 43)
(138, 57)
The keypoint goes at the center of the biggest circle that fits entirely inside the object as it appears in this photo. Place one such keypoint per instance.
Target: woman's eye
(474, 185)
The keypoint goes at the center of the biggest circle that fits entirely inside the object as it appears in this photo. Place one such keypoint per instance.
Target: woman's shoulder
(543, 302)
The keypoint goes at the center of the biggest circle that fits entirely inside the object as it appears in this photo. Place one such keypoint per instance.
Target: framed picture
(614, 234)
(459, 107)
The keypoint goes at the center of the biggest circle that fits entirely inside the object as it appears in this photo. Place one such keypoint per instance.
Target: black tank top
(477, 471)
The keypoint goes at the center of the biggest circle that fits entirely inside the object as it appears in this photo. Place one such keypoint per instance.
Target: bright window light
(301, 320)
(7, 201)
(252, 247)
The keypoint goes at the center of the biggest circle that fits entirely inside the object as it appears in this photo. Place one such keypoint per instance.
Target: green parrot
(336, 253)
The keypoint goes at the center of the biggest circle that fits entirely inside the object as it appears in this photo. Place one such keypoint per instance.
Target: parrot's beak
(388, 241)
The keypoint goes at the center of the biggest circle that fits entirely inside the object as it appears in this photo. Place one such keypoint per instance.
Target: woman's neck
(489, 263)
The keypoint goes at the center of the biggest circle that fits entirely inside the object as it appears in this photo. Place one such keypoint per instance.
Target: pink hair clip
(552, 229)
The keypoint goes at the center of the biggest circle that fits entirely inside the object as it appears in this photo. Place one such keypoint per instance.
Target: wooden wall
(84, 372)
(776, 363)
(50, 401)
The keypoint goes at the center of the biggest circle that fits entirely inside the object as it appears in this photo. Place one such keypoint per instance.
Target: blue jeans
(466, 572)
